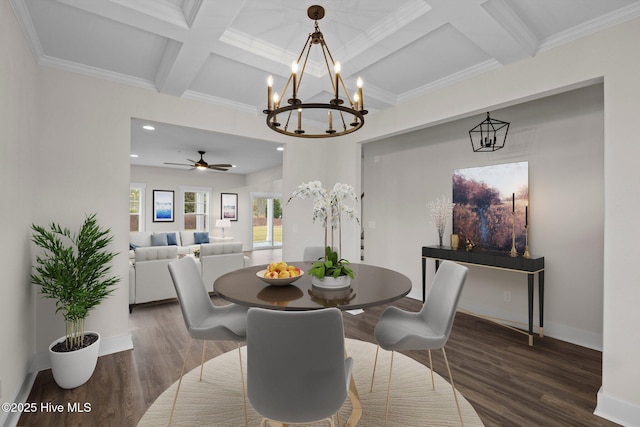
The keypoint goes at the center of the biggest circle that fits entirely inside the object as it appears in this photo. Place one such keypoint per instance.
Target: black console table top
(485, 258)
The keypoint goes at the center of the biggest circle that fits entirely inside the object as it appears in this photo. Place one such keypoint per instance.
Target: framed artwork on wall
(229, 206)
(163, 206)
(490, 203)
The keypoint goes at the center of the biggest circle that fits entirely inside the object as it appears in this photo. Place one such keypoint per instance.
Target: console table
(495, 260)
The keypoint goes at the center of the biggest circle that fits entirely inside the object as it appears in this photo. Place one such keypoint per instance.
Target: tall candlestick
(359, 84)
(514, 251)
(513, 203)
(330, 121)
(526, 216)
(299, 118)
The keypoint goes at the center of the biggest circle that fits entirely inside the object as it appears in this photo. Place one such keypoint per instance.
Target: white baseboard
(552, 329)
(10, 419)
(618, 411)
(40, 361)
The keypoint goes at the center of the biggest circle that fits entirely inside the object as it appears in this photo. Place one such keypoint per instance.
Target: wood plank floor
(507, 382)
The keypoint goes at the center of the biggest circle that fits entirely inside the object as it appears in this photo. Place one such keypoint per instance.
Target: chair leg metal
(386, 412)
(184, 364)
(244, 394)
(375, 362)
(455, 396)
(433, 383)
(204, 346)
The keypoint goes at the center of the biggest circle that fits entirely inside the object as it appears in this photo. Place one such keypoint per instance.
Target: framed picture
(229, 206)
(163, 206)
(491, 203)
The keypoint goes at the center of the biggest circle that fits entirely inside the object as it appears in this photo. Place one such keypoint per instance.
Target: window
(136, 207)
(195, 208)
(267, 220)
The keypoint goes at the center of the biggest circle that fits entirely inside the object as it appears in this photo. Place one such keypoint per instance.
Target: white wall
(157, 178)
(18, 121)
(327, 161)
(562, 138)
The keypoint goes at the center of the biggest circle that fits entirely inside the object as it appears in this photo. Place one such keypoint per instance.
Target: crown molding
(590, 27)
(468, 73)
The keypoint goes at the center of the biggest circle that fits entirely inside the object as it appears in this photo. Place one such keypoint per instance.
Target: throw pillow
(171, 239)
(201, 237)
(132, 247)
(159, 239)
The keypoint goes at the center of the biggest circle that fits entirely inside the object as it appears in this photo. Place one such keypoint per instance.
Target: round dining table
(370, 287)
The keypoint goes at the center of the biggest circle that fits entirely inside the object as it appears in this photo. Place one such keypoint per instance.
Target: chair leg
(244, 394)
(386, 412)
(455, 396)
(375, 362)
(433, 384)
(204, 346)
(184, 364)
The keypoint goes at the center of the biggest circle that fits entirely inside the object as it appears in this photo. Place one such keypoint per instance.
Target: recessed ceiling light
(148, 127)
(280, 148)
(133, 155)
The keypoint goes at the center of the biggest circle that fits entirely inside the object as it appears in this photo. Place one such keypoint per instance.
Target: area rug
(217, 399)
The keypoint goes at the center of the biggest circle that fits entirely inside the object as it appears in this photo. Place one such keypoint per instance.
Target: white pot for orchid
(73, 368)
(330, 282)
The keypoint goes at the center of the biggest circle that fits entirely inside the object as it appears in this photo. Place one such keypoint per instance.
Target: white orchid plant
(441, 210)
(328, 207)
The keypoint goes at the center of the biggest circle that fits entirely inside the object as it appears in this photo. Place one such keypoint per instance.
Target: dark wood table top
(371, 286)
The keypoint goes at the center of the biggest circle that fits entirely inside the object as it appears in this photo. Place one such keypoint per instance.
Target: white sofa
(149, 278)
(184, 240)
(152, 281)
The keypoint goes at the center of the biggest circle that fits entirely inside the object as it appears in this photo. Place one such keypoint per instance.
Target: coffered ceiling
(223, 51)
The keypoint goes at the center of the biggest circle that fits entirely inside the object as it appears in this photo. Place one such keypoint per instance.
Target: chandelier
(315, 119)
(490, 135)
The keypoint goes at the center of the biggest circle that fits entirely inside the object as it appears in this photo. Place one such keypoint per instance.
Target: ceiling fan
(201, 164)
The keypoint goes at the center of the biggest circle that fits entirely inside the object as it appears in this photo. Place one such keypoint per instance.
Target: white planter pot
(74, 368)
(339, 282)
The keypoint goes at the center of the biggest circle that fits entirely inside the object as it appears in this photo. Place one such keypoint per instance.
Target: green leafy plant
(331, 266)
(72, 270)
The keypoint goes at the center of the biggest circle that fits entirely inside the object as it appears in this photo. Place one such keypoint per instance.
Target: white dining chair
(203, 320)
(296, 366)
(427, 329)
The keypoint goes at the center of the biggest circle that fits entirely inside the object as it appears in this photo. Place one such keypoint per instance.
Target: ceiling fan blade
(192, 161)
(222, 165)
(178, 164)
(217, 167)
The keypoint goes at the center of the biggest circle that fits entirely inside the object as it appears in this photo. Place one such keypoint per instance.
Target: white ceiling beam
(488, 32)
(182, 62)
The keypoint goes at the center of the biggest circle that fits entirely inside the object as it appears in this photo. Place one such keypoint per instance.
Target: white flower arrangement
(328, 206)
(441, 210)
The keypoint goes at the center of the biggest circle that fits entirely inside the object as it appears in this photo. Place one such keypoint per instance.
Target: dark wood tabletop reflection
(371, 286)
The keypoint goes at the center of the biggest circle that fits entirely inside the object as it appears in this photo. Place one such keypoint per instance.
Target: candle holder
(526, 242)
(514, 251)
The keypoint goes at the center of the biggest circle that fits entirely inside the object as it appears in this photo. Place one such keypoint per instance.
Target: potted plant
(332, 272)
(72, 270)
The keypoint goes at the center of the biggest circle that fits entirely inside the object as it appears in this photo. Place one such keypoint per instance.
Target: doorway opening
(267, 221)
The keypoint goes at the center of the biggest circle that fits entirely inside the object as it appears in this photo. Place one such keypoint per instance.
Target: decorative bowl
(278, 282)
